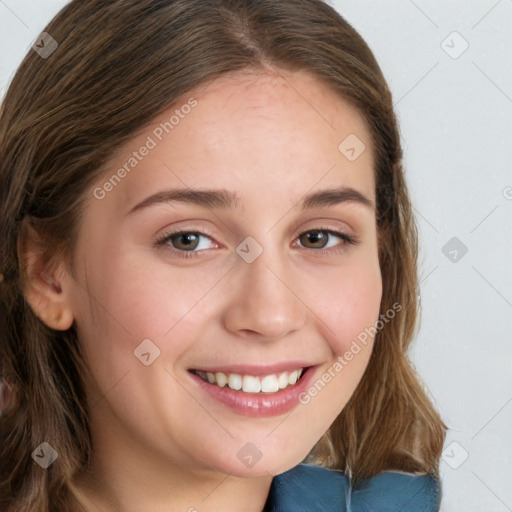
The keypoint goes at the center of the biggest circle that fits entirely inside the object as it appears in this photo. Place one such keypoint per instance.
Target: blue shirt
(307, 488)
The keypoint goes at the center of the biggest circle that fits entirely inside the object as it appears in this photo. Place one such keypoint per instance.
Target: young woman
(209, 268)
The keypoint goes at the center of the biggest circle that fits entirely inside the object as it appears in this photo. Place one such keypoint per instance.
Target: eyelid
(161, 239)
(346, 240)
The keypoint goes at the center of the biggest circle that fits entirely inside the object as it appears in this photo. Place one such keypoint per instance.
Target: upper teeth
(250, 383)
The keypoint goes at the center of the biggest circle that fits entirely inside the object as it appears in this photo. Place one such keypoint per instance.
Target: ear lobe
(43, 283)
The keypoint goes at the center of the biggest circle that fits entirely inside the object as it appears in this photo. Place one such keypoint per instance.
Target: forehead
(263, 100)
(282, 132)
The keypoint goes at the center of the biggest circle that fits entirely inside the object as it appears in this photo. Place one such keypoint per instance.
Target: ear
(46, 284)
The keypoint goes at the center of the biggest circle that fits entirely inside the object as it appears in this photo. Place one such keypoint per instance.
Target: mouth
(264, 384)
(254, 391)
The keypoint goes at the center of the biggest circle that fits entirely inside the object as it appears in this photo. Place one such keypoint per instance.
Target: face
(180, 299)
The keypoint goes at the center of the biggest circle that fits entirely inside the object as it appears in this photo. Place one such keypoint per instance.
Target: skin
(159, 444)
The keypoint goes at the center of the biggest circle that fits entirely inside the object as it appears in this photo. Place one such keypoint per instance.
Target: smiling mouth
(250, 383)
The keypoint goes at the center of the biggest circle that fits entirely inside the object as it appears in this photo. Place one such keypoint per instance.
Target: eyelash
(166, 237)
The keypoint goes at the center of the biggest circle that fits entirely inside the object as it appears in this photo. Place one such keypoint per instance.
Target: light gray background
(456, 122)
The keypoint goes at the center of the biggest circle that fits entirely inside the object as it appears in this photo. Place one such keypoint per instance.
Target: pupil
(189, 239)
(315, 237)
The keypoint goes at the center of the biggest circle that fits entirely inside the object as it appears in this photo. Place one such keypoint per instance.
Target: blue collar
(307, 488)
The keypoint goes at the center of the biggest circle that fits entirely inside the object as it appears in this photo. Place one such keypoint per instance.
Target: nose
(264, 301)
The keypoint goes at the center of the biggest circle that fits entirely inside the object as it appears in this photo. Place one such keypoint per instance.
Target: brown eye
(185, 241)
(317, 238)
(325, 239)
(185, 244)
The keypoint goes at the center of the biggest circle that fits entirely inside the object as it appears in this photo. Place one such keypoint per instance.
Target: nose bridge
(263, 299)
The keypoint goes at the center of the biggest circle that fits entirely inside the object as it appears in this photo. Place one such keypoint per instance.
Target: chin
(249, 461)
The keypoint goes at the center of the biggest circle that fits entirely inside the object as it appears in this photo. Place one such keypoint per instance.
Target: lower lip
(257, 404)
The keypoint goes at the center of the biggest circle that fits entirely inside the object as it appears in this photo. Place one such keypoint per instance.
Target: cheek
(350, 302)
(122, 303)
(138, 298)
(350, 309)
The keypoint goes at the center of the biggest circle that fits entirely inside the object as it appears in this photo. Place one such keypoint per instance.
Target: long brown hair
(118, 64)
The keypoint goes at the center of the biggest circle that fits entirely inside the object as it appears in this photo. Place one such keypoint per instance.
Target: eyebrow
(225, 199)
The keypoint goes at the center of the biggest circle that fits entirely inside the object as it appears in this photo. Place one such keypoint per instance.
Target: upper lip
(256, 370)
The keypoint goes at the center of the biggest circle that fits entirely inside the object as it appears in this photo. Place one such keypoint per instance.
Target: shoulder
(307, 488)
(393, 491)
